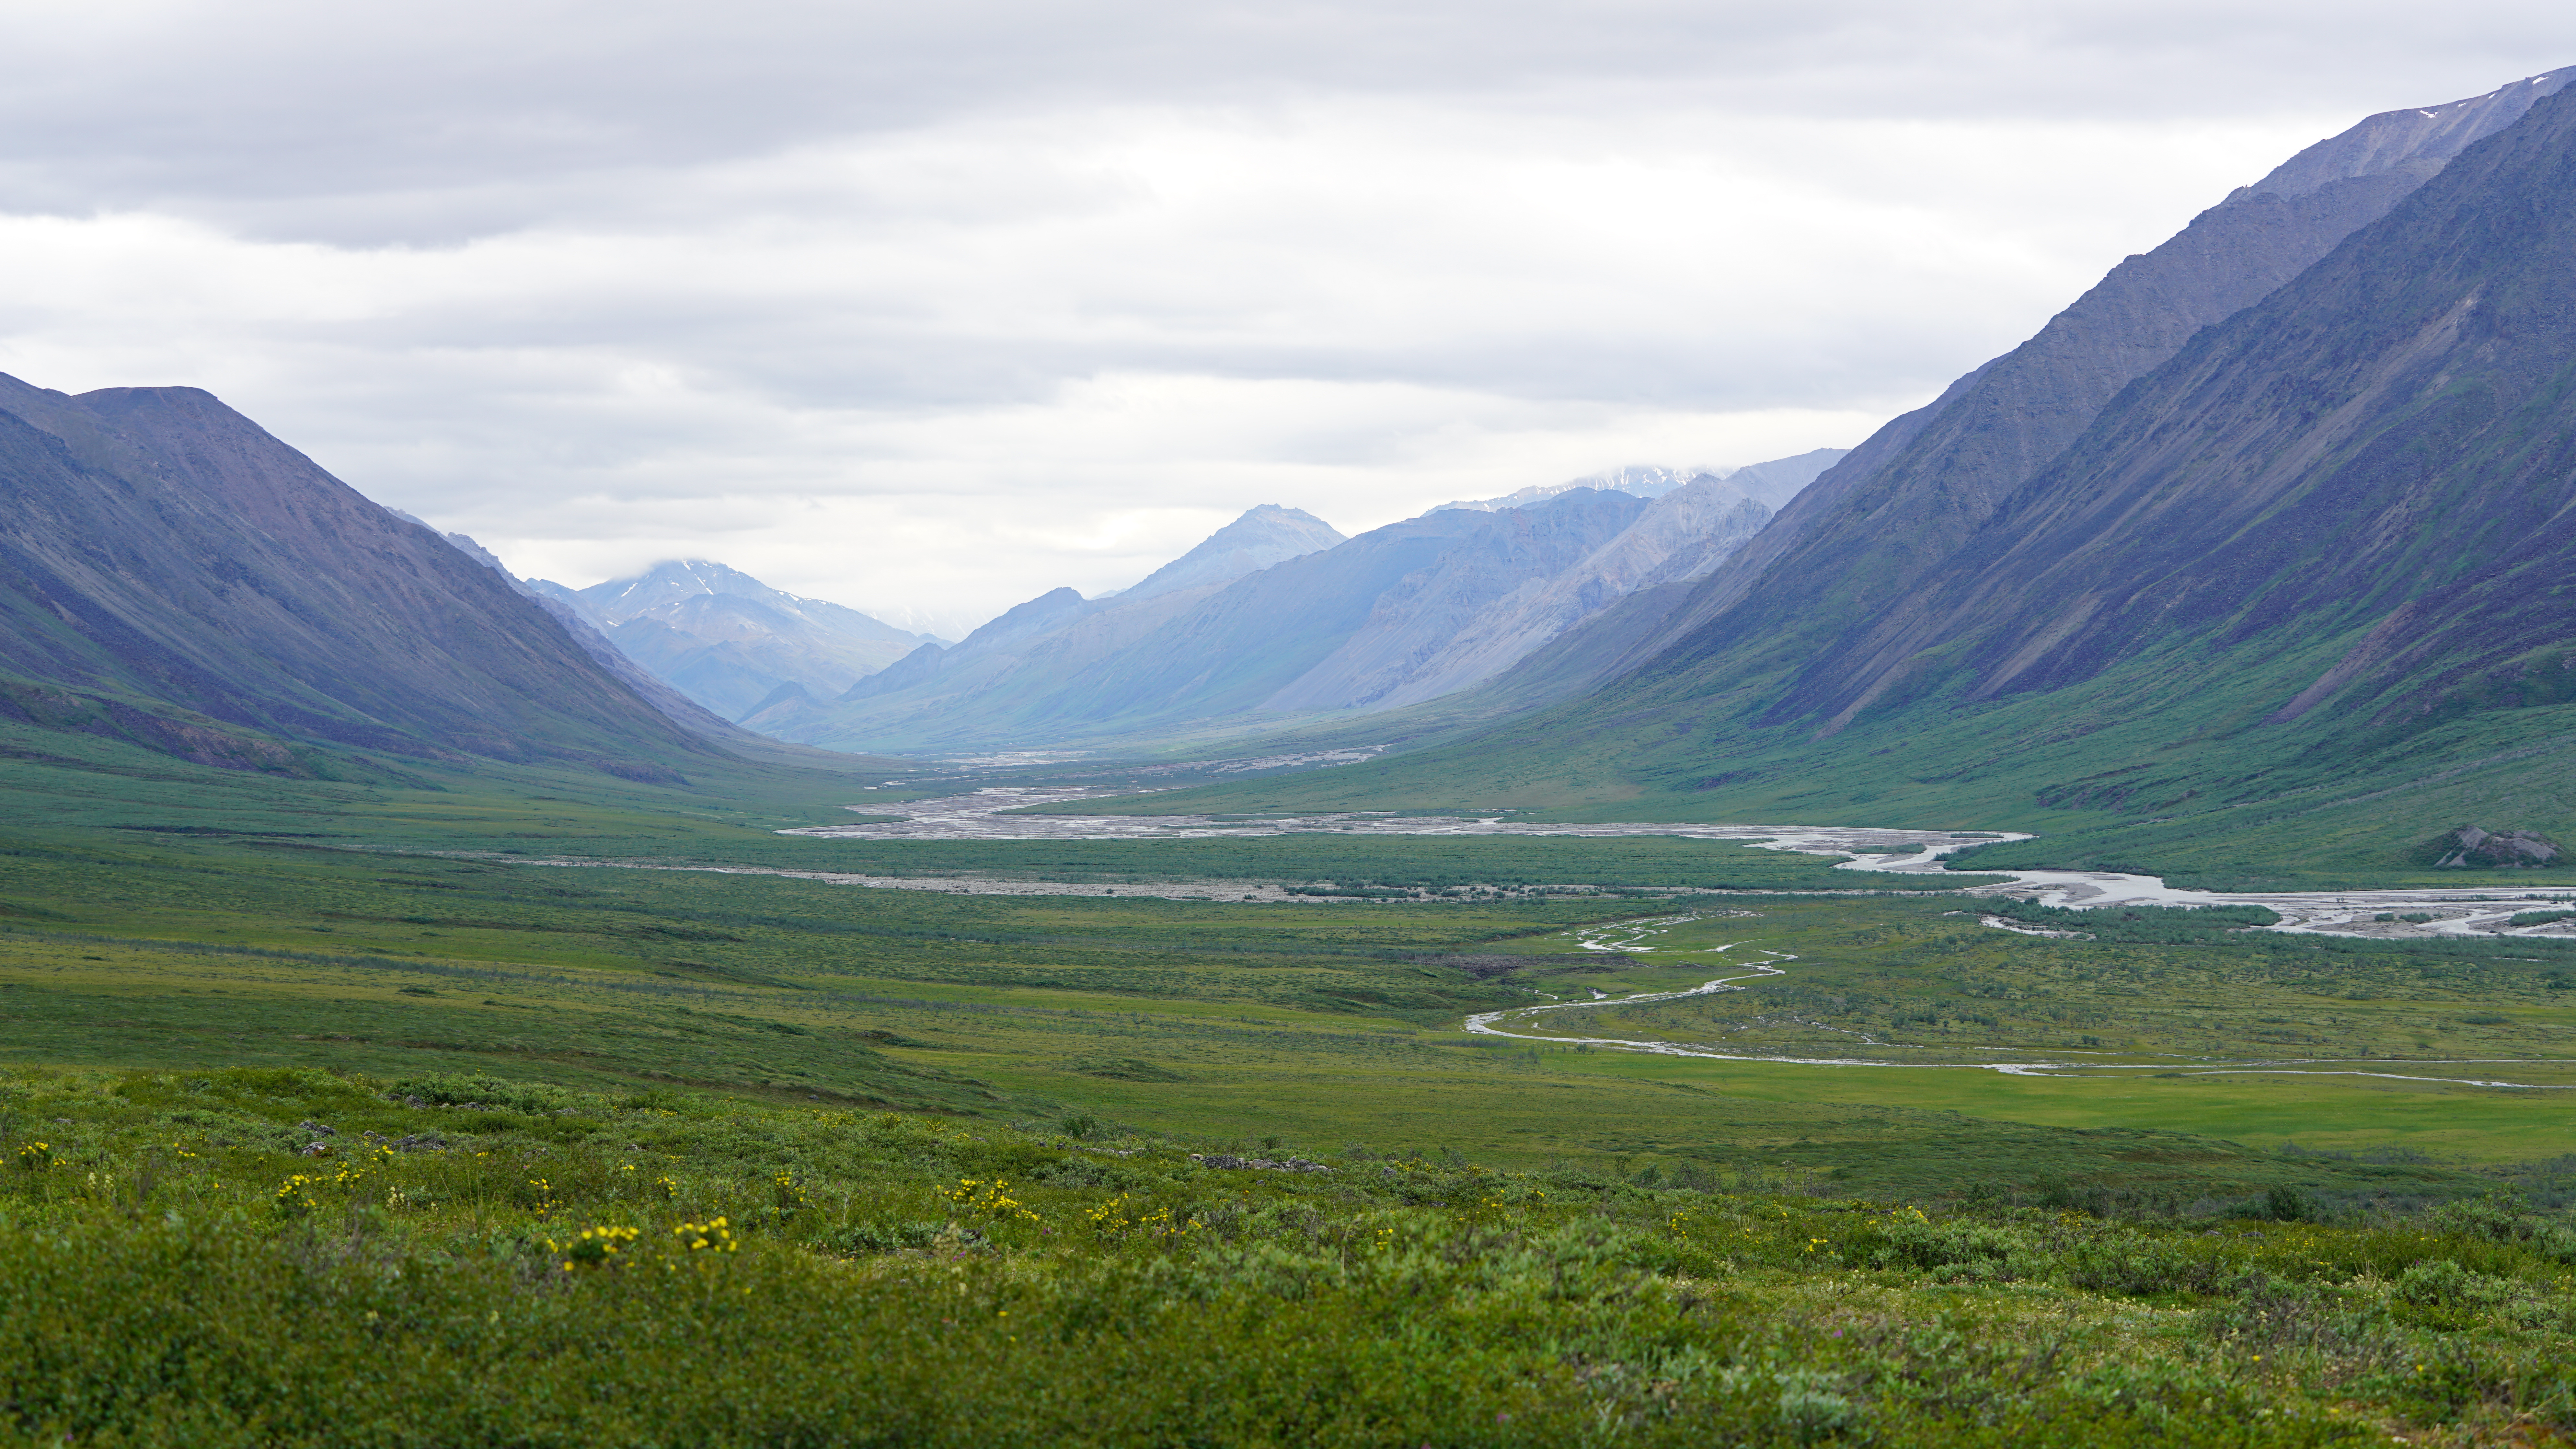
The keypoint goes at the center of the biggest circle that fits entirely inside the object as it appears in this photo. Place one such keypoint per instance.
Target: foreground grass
(194, 1258)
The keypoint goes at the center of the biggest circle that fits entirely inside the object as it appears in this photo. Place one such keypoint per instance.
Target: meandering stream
(2453, 912)
(990, 815)
(2462, 911)
(2009, 1061)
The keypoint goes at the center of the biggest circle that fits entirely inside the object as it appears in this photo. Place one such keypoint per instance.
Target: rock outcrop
(2472, 846)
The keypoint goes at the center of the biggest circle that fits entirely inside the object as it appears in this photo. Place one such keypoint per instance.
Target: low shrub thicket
(2157, 925)
(235, 1259)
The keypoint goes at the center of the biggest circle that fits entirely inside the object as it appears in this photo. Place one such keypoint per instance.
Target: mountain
(2304, 588)
(1263, 536)
(2383, 452)
(1413, 621)
(1770, 484)
(1679, 537)
(729, 641)
(1894, 510)
(1036, 649)
(173, 575)
(1774, 483)
(1468, 601)
(1330, 629)
(554, 599)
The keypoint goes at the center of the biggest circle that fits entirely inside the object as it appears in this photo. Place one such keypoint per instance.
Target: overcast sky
(926, 309)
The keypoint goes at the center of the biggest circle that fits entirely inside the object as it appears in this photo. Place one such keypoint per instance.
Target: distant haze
(924, 310)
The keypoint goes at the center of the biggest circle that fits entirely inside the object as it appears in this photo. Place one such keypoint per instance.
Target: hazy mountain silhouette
(1327, 629)
(731, 642)
(1263, 536)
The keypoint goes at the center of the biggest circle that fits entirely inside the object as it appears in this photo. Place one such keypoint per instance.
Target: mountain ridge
(163, 553)
(729, 642)
(1472, 590)
(1262, 535)
(2309, 575)
(1942, 467)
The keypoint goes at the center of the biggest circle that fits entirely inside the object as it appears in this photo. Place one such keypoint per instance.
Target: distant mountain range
(1769, 484)
(729, 641)
(1278, 617)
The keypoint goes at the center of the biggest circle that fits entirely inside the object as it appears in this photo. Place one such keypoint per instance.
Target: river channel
(2467, 910)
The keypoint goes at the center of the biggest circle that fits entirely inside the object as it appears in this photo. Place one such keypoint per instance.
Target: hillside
(1682, 535)
(1894, 510)
(2298, 593)
(173, 576)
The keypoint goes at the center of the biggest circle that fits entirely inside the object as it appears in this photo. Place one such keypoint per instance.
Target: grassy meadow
(916, 1112)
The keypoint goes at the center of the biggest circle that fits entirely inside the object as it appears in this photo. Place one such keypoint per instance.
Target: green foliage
(697, 1270)
(2159, 924)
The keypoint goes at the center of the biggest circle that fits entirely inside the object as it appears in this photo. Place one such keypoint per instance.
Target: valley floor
(828, 1065)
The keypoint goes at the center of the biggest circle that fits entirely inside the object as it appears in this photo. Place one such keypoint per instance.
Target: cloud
(927, 309)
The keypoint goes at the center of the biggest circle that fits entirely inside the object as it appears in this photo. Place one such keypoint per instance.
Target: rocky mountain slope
(2385, 450)
(731, 642)
(2313, 574)
(1894, 511)
(173, 575)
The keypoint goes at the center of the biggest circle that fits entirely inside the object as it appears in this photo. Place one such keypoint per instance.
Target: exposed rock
(2471, 846)
(1228, 1162)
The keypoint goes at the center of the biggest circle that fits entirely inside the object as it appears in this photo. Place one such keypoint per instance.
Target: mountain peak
(1266, 534)
(1770, 484)
(670, 581)
(2413, 139)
